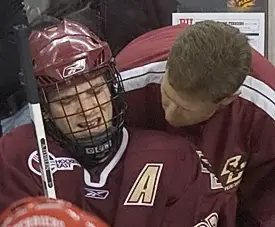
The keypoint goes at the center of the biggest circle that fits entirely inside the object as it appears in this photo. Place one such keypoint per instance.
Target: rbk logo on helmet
(75, 68)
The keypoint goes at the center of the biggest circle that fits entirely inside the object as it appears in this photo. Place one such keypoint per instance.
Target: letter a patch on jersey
(144, 190)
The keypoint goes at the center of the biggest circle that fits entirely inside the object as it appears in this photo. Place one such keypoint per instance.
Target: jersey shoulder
(162, 168)
(258, 92)
(173, 156)
(151, 47)
(156, 142)
(182, 158)
(15, 148)
(19, 148)
(18, 142)
(263, 69)
(16, 179)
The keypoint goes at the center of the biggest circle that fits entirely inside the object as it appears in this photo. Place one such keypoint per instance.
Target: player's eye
(95, 91)
(67, 100)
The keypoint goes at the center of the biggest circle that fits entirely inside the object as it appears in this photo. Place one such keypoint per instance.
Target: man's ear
(230, 99)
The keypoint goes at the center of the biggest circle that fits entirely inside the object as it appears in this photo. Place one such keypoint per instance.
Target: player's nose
(87, 102)
(170, 110)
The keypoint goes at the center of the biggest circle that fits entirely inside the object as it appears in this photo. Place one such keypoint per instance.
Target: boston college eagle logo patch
(232, 171)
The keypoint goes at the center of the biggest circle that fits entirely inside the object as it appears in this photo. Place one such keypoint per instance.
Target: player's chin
(180, 123)
(174, 123)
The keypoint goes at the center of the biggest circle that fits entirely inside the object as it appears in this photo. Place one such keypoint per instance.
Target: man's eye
(67, 101)
(96, 91)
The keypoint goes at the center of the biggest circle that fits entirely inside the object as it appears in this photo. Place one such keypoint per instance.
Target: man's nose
(171, 108)
(88, 103)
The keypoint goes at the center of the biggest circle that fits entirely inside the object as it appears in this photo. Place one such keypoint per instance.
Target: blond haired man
(206, 66)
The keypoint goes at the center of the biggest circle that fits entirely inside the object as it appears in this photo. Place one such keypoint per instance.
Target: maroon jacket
(238, 139)
(154, 180)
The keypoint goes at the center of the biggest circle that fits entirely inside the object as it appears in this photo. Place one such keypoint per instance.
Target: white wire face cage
(90, 132)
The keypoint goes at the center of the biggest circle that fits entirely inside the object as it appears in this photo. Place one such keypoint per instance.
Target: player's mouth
(90, 124)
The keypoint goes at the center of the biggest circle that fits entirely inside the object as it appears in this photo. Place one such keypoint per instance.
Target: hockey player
(236, 130)
(127, 177)
(41, 211)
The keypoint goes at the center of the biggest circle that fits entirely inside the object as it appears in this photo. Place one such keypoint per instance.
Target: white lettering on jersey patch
(214, 182)
(143, 192)
(96, 193)
(57, 164)
(209, 221)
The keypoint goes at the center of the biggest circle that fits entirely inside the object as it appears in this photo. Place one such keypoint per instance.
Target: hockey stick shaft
(35, 109)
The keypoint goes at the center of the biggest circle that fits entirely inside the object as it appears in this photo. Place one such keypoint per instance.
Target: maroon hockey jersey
(154, 180)
(238, 140)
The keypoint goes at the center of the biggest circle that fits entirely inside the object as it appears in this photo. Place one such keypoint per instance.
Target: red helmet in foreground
(45, 212)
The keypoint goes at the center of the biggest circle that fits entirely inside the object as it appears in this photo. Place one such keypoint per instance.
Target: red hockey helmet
(45, 212)
(67, 49)
(80, 90)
